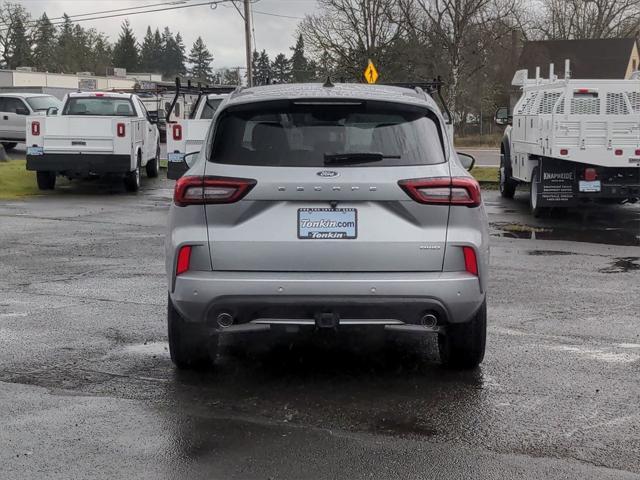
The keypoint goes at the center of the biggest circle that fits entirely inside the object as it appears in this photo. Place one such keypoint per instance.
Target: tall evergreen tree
(301, 70)
(172, 54)
(44, 54)
(230, 77)
(200, 58)
(148, 52)
(181, 55)
(281, 69)
(262, 71)
(64, 52)
(125, 51)
(20, 55)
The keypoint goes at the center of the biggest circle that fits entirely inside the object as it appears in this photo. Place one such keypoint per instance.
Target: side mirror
(502, 116)
(179, 163)
(52, 111)
(466, 160)
(22, 111)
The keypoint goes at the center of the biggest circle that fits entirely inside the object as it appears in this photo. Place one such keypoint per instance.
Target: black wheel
(9, 145)
(46, 180)
(189, 345)
(132, 180)
(507, 184)
(534, 207)
(153, 166)
(463, 345)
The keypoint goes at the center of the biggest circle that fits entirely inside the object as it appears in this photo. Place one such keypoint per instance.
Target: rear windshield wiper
(354, 158)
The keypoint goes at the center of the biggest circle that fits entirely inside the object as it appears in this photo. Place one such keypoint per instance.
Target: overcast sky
(222, 28)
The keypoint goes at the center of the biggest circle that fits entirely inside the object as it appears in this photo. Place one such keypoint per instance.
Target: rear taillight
(638, 152)
(177, 132)
(590, 174)
(184, 258)
(443, 191)
(35, 129)
(120, 129)
(210, 190)
(564, 151)
(470, 260)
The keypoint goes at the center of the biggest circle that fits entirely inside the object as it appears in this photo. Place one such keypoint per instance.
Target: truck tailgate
(81, 134)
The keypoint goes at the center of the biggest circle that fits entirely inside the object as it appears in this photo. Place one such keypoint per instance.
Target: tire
(189, 346)
(507, 184)
(534, 207)
(9, 145)
(132, 179)
(46, 180)
(153, 166)
(463, 345)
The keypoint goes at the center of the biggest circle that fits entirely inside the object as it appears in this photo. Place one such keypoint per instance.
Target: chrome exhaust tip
(224, 320)
(429, 320)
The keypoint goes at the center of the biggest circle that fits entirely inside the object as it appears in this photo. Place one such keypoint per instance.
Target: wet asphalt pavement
(87, 389)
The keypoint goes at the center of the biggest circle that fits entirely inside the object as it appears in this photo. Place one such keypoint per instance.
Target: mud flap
(557, 185)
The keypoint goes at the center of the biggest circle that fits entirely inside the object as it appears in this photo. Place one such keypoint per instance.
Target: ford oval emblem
(327, 173)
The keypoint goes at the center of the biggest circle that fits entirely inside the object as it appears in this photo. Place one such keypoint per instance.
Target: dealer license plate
(327, 223)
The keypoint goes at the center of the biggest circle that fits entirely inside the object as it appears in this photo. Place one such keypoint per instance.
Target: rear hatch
(69, 134)
(323, 188)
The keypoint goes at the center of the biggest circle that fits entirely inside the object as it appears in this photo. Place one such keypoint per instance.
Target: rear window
(307, 134)
(210, 107)
(43, 103)
(100, 106)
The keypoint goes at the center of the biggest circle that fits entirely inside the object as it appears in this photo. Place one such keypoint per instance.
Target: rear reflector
(35, 129)
(210, 190)
(638, 152)
(443, 191)
(177, 132)
(184, 258)
(470, 260)
(120, 129)
(619, 152)
(590, 174)
(564, 151)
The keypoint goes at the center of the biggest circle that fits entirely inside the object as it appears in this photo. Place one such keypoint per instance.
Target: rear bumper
(79, 163)
(394, 298)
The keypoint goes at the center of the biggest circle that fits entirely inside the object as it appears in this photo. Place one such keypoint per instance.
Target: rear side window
(100, 106)
(210, 107)
(307, 133)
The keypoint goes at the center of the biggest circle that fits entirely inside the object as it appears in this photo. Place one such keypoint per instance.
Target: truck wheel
(534, 207)
(153, 166)
(189, 346)
(9, 145)
(132, 180)
(46, 180)
(507, 184)
(462, 346)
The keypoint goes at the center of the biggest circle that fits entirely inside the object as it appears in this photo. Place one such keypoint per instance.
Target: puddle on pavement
(607, 236)
(392, 424)
(622, 265)
(549, 253)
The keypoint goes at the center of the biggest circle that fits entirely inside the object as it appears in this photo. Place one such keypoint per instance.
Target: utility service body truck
(95, 134)
(186, 136)
(572, 141)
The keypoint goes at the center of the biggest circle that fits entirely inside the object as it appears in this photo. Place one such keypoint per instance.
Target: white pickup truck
(572, 141)
(186, 136)
(95, 134)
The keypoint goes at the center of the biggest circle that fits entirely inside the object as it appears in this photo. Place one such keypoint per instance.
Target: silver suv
(327, 206)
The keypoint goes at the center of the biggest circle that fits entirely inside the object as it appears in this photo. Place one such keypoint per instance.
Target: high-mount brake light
(464, 191)
(121, 130)
(35, 129)
(184, 259)
(99, 94)
(470, 260)
(210, 190)
(177, 132)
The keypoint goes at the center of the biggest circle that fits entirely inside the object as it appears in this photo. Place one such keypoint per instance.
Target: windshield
(210, 107)
(99, 106)
(43, 103)
(309, 134)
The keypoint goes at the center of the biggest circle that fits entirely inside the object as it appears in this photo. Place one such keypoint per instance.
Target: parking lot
(84, 361)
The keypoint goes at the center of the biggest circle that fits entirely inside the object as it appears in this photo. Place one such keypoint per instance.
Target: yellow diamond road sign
(370, 73)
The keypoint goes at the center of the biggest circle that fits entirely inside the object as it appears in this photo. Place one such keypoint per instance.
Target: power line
(277, 15)
(210, 2)
(175, 2)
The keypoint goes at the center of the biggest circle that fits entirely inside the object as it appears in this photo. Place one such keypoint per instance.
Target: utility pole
(247, 36)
